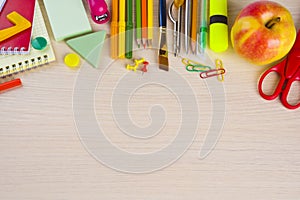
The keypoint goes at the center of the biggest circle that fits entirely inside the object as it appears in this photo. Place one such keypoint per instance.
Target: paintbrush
(163, 50)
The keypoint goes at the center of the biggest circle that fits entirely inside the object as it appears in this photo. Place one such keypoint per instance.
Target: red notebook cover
(19, 43)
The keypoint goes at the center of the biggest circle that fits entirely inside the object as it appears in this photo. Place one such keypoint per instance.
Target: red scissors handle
(279, 69)
(285, 92)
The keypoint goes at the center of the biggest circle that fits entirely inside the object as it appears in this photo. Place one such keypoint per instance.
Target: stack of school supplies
(15, 39)
(67, 18)
(12, 64)
(69, 23)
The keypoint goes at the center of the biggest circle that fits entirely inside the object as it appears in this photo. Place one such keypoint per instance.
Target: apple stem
(272, 22)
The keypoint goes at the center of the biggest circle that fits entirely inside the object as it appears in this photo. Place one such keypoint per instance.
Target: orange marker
(144, 23)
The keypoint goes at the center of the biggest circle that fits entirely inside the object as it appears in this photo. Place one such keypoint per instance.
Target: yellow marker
(122, 26)
(21, 24)
(72, 60)
(150, 22)
(218, 28)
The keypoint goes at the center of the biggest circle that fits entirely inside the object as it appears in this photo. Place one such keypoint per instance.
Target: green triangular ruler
(89, 46)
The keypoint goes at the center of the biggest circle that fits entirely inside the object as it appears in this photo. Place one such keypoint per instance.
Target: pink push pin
(144, 69)
(99, 11)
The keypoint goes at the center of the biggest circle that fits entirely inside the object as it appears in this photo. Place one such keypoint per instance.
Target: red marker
(10, 85)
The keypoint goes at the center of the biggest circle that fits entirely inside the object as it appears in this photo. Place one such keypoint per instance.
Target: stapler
(99, 11)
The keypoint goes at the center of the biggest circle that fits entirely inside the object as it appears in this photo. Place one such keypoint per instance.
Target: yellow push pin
(131, 67)
(136, 64)
(140, 61)
(72, 60)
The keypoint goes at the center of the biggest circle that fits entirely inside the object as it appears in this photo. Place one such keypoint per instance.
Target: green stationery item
(89, 46)
(129, 31)
(138, 22)
(67, 18)
(39, 43)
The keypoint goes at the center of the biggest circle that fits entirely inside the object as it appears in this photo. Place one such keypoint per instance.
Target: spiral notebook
(13, 64)
(18, 43)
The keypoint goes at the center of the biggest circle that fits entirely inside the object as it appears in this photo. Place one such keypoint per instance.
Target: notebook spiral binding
(23, 66)
(12, 51)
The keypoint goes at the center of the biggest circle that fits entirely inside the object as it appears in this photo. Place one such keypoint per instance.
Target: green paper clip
(197, 68)
(193, 66)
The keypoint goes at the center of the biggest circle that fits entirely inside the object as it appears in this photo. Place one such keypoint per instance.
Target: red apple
(263, 32)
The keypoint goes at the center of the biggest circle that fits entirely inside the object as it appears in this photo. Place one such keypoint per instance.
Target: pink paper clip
(99, 11)
(212, 72)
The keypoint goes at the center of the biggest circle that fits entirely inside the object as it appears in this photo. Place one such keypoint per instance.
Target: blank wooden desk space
(257, 155)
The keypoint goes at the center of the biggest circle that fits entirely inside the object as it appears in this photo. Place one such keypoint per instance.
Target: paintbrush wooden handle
(162, 13)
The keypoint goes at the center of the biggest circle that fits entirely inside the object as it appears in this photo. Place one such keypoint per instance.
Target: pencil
(122, 25)
(129, 27)
(138, 22)
(114, 30)
(144, 22)
(194, 25)
(187, 24)
(150, 22)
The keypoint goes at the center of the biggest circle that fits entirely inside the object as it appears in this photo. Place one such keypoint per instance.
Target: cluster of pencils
(144, 22)
(122, 26)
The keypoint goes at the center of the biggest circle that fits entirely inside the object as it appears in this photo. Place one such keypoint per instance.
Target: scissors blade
(2, 2)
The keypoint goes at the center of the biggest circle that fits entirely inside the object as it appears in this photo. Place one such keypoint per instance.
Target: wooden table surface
(43, 156)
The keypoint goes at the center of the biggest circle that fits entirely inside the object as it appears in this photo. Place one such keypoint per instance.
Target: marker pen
(218, 25)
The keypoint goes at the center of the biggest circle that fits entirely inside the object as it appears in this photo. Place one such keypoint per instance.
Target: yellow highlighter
(218, 28)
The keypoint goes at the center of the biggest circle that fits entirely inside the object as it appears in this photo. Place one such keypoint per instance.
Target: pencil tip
(150, 43)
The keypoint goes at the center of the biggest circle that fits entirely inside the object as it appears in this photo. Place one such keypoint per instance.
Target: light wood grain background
(42, 157)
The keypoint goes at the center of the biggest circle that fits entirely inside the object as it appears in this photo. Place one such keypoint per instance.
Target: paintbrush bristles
(163, 58)
(163, 51)
(163, 63)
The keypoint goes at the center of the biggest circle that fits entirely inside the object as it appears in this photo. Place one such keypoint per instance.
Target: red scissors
(289, 72)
